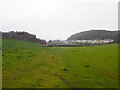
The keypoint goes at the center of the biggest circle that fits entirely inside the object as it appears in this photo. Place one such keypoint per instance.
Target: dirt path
(65, 82)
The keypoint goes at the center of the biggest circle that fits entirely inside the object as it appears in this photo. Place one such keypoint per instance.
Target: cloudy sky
(58, 19)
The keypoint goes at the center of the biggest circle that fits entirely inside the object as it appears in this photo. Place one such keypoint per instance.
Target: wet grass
(28, 65)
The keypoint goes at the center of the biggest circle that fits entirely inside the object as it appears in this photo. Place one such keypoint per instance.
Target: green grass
(0, 63)
(28, 65)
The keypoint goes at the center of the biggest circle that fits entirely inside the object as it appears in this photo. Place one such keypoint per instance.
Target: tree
(50, 41)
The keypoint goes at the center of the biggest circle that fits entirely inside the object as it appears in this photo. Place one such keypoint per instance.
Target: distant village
(32, 38)
(105, 41)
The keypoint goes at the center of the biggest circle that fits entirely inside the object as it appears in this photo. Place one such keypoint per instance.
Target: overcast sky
(58, 19)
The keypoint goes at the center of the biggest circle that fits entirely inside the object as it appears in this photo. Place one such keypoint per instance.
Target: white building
(89, 41)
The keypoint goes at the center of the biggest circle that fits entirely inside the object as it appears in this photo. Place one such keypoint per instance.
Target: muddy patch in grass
(87, 66)
(18, 57)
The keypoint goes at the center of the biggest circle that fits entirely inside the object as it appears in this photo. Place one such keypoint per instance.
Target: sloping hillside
(25, 36)
(95, 34)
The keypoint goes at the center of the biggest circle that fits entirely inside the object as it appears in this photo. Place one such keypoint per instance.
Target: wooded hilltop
(96, 35)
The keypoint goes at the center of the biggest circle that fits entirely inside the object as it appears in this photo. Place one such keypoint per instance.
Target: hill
(24, 36)
(28, 65)
(95, 34)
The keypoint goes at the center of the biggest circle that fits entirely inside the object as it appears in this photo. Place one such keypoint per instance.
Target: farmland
(28, 65)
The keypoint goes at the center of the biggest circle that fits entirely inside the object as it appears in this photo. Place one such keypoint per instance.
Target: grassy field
(0, 63)
(27, 65)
